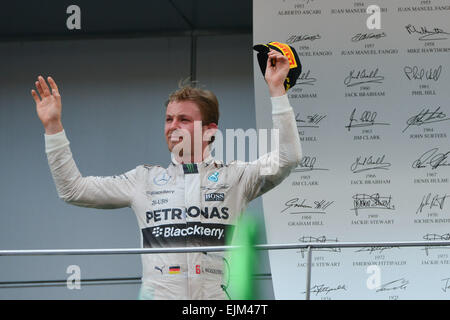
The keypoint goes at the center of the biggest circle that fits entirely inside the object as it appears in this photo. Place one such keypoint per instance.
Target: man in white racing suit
(195, 201)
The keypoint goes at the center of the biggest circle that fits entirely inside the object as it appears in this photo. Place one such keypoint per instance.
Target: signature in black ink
(414, 73)
(320, 206)
(367, 119)
(435, 237)
(426, 116)
(394, 285)
(447, 284)
(369, 163)
(376, 249)
(431, 158)
(436, 201)
(317, 239)
(373, 201)
(311, 122)
(323, 239)
(368, 36)
(362, 76)
(296, 38)
(305, 78)
(321, 288)
(307, 164)
(427, 35)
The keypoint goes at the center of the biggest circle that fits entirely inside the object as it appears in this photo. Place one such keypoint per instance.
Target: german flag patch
(174, 269)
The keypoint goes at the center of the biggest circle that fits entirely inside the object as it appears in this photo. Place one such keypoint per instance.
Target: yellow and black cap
(294, 62)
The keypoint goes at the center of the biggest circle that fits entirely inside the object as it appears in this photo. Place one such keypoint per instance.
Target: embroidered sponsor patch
(214, 197)
(176, 235)
(190, 168)
(214, 177)
(174, 269)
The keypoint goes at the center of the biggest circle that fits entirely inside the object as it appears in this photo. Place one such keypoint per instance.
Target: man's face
(180, 119)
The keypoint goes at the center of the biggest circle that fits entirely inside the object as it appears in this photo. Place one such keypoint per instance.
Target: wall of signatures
(373, 113)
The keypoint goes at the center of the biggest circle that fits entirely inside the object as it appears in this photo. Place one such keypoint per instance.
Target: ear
(209, 131)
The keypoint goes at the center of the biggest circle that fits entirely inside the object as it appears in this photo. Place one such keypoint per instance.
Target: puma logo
(160, 269)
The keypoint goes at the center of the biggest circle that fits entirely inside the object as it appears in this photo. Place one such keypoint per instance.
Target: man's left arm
(269, 170)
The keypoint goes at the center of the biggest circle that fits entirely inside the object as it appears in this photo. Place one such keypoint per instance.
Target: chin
(172, 144)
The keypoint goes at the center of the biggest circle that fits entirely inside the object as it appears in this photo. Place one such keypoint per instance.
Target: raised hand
(48, 105)
(276, 72)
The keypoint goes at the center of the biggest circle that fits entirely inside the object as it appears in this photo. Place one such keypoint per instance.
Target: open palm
(48, 105)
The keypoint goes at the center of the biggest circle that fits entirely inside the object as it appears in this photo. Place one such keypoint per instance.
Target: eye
(168, 119)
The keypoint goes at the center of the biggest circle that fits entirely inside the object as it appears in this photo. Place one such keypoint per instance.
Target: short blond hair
(205, 100)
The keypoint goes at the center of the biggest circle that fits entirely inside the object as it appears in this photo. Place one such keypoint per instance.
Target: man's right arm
(96, 192)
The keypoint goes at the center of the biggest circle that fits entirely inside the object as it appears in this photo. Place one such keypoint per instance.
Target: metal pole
(193, 57)
(221, 248)
(308, 273)
(193, 71)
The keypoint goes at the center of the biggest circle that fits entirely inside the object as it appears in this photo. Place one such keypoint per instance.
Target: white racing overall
(182, 205)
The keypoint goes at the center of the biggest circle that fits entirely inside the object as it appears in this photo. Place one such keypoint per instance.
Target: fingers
(53, 86)
(270, 62)
(39, 89)
(274, 54)
(35, 96)
(44, 87)
(277, 56)
(273, 57)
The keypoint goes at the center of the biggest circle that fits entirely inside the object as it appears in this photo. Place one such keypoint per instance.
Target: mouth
(175, 138)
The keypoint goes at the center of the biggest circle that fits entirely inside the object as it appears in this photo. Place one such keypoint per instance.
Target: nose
(174, 128)
(174, 125)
